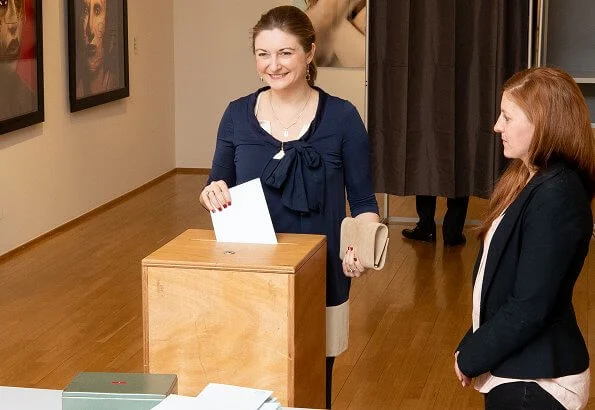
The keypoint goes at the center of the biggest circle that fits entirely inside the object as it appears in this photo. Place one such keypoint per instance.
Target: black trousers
(454, 220)
(520, 395)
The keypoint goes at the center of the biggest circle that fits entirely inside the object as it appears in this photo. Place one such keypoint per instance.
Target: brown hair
(554, 104)
(291, 20)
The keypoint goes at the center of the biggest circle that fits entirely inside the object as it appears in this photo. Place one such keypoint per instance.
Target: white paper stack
(174, 401)
(222, 397)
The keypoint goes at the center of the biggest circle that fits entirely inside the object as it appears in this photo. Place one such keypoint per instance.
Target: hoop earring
(307, 72)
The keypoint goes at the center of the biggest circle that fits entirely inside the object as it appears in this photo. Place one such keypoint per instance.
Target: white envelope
(247, 220)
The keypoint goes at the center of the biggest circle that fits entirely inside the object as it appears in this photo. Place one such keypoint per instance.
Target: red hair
(554, 104)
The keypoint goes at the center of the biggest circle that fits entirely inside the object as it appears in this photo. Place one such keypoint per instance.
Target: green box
(117, 391)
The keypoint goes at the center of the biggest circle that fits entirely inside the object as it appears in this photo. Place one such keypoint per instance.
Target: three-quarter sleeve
(223, 166)
(357, 163)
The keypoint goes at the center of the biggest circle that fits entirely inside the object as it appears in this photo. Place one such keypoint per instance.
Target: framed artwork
(340, 31)
(97, 52)
(21, 64)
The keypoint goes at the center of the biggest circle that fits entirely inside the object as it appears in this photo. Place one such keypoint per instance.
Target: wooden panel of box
(243, 314)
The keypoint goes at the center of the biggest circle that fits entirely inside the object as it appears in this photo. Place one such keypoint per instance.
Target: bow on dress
(300, 174)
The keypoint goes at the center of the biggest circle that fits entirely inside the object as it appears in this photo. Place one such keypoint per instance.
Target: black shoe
(461, 240)
(419, 234)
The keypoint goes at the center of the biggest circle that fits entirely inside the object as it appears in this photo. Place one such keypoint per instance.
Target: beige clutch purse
(370, 240)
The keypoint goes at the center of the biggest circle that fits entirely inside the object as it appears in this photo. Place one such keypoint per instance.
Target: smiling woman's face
(93, 21)
(280, 59)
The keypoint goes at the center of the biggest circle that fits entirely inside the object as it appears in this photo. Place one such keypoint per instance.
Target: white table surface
(22, 398)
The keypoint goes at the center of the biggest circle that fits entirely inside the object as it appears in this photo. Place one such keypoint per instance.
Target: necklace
(297, 118)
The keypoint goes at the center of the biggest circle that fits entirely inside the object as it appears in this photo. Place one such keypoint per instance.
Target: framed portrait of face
(97, 52)
(21, 64)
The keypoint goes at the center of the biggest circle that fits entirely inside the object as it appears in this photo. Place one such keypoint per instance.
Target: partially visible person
(97, 70)
(340, 31)
(452, 226)
(307, 147)
(16, 98)
(524, 348)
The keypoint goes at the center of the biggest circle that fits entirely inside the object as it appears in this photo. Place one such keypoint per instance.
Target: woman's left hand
(465, 381)
(352, 267)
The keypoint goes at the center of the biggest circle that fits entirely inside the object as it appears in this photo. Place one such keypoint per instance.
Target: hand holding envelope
(248, 220)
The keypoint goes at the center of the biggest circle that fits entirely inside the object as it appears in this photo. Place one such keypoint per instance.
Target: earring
(307, 72)
(261, 79)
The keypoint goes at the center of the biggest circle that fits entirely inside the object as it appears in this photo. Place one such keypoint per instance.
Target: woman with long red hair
(524, 348)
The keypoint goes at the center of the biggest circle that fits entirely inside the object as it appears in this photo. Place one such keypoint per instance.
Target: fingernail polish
(224, 205)
(220, 209)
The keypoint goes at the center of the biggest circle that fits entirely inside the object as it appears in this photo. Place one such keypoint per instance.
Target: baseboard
(198, 171)
(100, 208)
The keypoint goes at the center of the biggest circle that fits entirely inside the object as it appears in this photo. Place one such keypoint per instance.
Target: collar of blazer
(513, 212)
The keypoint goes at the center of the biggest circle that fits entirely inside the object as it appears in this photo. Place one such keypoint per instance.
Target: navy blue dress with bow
(304, 190)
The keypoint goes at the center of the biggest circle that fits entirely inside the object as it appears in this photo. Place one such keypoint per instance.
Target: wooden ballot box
(243, 314)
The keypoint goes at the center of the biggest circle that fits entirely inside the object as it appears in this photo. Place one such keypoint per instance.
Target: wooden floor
(72, 303)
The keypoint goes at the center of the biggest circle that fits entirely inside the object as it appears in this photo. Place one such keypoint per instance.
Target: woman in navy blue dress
(307, 147)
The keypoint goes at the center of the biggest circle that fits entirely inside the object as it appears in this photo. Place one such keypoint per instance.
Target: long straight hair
(554, 104)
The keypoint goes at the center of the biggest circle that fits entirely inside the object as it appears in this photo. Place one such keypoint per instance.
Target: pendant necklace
(281, 153)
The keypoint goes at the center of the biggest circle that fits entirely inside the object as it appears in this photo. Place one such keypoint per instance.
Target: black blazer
(528, 327)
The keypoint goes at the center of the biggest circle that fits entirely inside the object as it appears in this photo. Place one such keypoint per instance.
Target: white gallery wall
(53, 172)
(214, 65)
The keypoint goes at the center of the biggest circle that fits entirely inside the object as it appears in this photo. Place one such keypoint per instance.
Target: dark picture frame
(97, 52)
(21, 64)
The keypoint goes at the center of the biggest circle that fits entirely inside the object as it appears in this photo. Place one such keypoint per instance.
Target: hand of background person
(465, 381)
(215, 196)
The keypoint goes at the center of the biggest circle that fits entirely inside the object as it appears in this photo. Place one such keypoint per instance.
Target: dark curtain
(436, 68)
